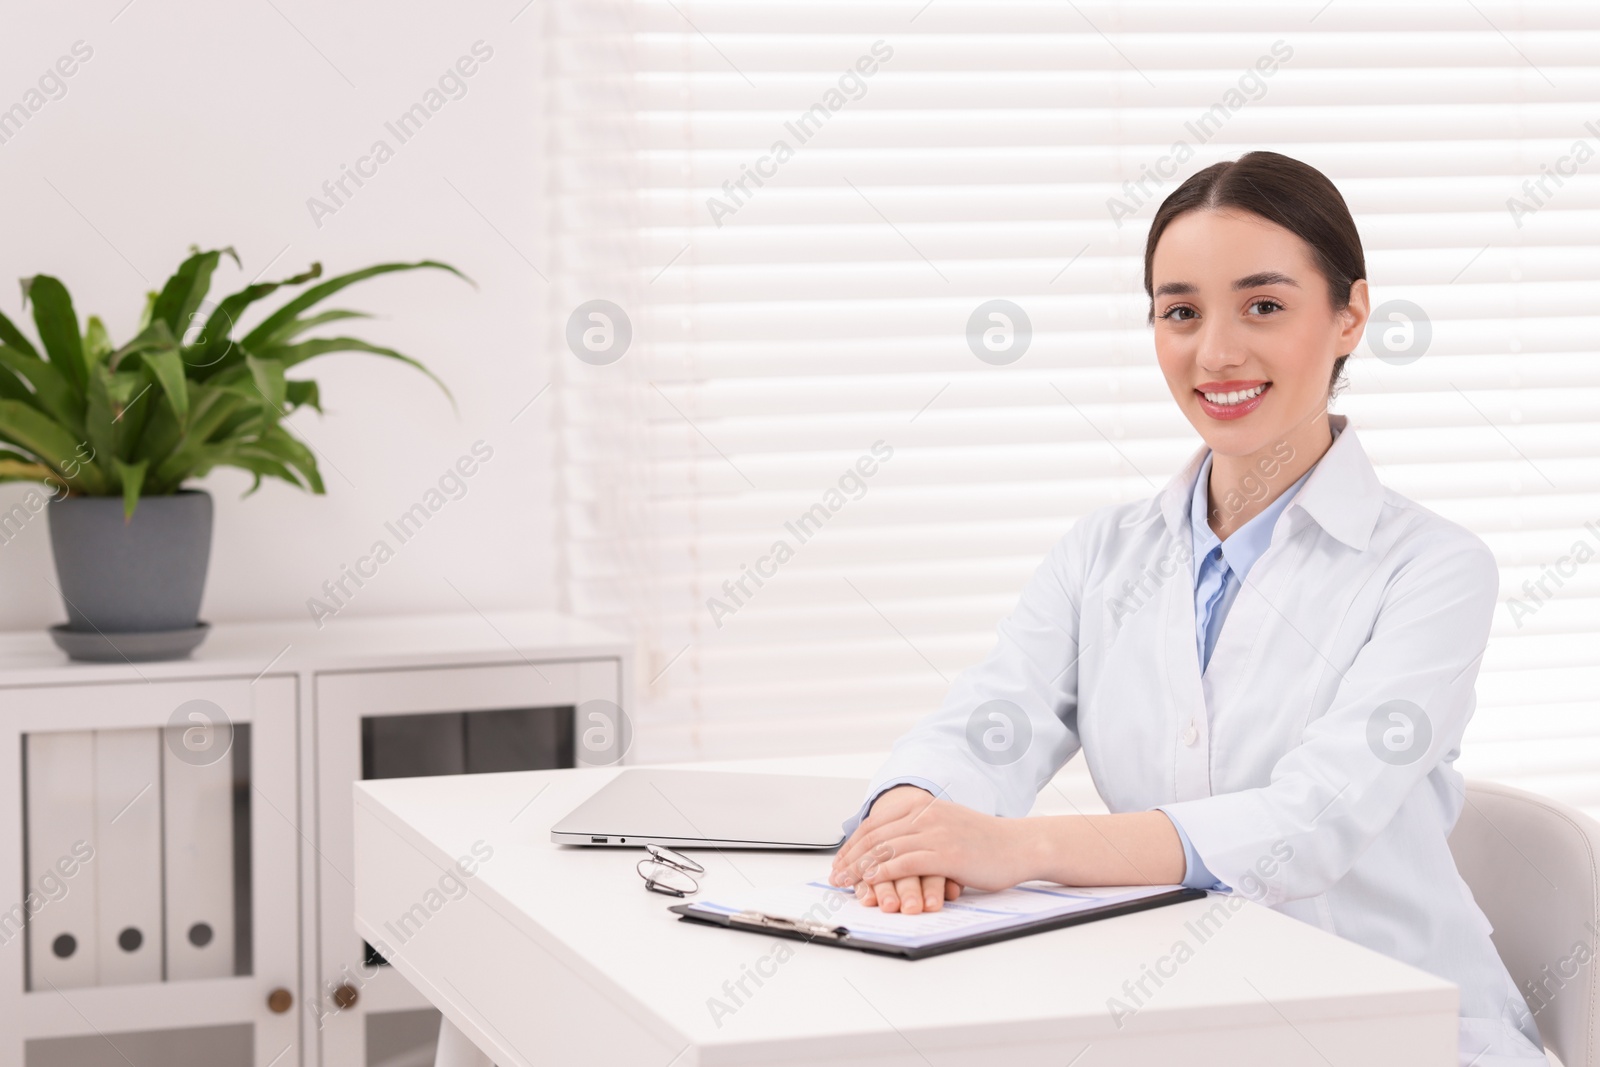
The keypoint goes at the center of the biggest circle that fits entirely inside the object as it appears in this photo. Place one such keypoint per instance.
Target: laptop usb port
(598, 840)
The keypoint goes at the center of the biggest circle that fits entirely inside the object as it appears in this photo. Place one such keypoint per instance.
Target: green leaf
(303, 394)
(155, 335)
(114, 413)
(132, 477)
(100, 414)
(50, 443)
(280, 443)
(268, 377)
(159, 434)
(9, 334)
(272, 456)
(52, 393)
(216, 349)
(166, 365)
(299, 326)
(147, 314)
(96, 343)
(16, 467)
(248, 422)
(12, 388)
(181, 297)
(267, 333)
(205, 417)
(154, 352)
(290, 355)
(136, 397)
(12, 471)
(256, 463)
(57, 323)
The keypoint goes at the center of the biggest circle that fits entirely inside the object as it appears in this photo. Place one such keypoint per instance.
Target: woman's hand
(909, 895)
(912, 852)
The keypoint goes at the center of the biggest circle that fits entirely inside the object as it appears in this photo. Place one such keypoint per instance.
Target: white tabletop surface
(544, 923)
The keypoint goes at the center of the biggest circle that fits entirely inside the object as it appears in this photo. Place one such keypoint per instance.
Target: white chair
(455, 1050)
(1533, 866)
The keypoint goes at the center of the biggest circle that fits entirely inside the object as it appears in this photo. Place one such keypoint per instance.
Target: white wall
(213, 124)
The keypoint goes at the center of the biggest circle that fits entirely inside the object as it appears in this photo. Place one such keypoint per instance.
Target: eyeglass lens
(663, 878)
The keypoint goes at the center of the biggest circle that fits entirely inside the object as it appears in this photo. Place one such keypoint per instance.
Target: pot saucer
(140, 647)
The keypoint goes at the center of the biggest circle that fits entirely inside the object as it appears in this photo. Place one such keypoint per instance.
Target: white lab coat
(1289, 744)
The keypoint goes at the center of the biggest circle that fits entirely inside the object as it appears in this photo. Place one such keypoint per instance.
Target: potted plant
(116, 433)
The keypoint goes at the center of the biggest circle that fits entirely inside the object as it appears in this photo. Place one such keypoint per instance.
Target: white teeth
(1234, 397)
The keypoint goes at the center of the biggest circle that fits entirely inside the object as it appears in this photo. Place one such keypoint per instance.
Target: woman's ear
(1353, 318)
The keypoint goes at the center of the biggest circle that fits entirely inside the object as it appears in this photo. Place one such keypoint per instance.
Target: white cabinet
(406, 723)
(244, 953)
(265, 911)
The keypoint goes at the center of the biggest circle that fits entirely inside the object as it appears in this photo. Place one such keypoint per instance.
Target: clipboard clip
(761, 919)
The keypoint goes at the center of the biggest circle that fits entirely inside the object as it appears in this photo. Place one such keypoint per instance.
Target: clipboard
(841, 937)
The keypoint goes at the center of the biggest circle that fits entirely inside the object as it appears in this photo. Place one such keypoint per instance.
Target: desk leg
(455, 1050)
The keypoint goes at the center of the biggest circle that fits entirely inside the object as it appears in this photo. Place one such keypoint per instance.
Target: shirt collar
(1246, 544)
(1342, 494)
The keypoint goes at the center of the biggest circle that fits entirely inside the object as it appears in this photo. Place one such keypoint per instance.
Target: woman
(1303, 752)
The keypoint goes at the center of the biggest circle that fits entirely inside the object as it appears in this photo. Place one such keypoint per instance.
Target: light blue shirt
(1220, 567)
(1219, 572)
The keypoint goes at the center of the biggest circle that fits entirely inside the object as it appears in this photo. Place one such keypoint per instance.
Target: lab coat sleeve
(1008, 723)
(1196, 875)
(1398, 714)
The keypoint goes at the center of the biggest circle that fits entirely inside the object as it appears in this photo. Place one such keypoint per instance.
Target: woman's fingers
(865, 867)
(893, 805)
(935, 890)
(910, 896)
(858, 855)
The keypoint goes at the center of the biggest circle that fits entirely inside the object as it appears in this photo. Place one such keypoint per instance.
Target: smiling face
(1245, 330)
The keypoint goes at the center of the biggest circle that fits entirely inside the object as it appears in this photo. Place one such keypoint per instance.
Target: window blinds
(850, 327)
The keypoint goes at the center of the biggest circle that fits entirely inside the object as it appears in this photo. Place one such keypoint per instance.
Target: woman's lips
(1228, 412)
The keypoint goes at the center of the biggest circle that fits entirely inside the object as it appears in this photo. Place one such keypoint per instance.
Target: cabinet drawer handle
(346, 996)
(280, 1000)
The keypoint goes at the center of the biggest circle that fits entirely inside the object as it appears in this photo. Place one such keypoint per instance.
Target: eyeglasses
(669, 872)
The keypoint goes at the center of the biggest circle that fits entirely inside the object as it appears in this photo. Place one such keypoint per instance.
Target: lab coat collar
(1343, 494)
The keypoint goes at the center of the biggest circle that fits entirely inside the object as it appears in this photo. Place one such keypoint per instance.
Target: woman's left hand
(938, 837)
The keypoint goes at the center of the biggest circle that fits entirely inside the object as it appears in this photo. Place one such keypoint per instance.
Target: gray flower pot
(145, 575)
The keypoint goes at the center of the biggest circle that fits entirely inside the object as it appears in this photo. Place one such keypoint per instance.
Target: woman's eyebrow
(1266, 277)
(1249, 281)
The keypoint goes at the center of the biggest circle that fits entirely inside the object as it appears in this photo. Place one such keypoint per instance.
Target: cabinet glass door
(399, 724)
(153, 824)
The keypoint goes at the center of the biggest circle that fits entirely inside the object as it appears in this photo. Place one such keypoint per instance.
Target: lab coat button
(1191, 735)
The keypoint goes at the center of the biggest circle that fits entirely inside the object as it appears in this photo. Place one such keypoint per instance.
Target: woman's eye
(1181, 312)
(1270, 305)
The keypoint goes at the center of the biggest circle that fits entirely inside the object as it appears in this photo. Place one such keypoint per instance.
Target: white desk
(556, 955)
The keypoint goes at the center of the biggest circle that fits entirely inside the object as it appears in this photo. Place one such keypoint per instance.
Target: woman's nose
(1217, 350)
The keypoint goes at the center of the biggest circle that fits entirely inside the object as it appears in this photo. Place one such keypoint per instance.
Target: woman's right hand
(913, 895)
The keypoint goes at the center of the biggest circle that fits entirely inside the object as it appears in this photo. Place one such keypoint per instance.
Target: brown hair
(1295, 195)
